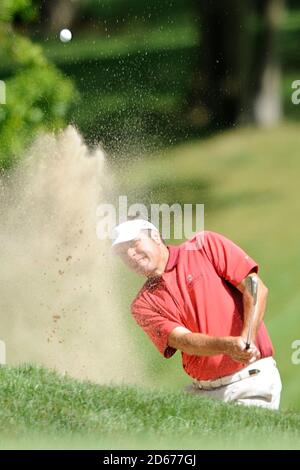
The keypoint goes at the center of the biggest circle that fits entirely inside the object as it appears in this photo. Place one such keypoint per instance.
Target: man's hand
(236, 348)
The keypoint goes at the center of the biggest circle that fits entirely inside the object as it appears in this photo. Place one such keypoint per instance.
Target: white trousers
(262, 389)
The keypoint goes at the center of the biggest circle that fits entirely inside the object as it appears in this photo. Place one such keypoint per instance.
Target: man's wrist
(224, 344)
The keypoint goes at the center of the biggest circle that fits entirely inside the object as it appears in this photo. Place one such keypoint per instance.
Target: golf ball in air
(65, 35)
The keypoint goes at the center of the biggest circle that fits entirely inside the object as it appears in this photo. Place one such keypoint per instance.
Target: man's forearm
(198, 344)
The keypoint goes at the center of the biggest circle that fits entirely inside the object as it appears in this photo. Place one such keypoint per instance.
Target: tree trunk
(58, 14)
(216, 91)
(265, 103)
(238, 74)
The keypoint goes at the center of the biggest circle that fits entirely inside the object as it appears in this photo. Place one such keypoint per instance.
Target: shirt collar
(173, 257)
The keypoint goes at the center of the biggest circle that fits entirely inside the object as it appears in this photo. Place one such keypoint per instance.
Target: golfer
(196, 300)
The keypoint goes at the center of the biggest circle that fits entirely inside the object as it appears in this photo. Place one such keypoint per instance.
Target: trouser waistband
(249, 371)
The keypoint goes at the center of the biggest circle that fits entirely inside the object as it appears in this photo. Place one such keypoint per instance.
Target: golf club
(252, 286)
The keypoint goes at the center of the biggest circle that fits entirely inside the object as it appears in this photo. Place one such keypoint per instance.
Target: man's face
(141, 255)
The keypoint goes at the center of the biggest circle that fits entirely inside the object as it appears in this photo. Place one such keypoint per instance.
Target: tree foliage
(38, 96)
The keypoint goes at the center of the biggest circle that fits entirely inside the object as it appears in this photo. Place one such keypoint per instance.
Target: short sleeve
(155, 325)
(229, 260)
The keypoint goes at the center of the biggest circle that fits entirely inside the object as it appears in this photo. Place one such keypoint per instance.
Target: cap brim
(120, 240)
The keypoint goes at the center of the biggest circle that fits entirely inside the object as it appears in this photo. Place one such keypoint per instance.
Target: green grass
(41, 409)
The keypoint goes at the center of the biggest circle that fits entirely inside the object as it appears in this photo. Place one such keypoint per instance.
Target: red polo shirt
(197, 290)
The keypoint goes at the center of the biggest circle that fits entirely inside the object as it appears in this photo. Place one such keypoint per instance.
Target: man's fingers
(246, 356)
(241, 354)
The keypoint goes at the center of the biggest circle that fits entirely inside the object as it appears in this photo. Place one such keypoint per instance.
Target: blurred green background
(192, 101)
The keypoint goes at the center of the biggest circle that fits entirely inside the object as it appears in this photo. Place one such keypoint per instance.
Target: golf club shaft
(252, 286)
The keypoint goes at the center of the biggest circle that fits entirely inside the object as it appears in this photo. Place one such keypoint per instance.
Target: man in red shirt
(196, 300)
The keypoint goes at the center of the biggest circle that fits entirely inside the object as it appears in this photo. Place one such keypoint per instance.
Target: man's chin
(145, 271)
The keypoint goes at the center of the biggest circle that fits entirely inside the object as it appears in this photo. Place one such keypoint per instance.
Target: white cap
(130, 230)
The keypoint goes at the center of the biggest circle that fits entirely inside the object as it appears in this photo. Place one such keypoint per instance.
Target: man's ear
(155, 235)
